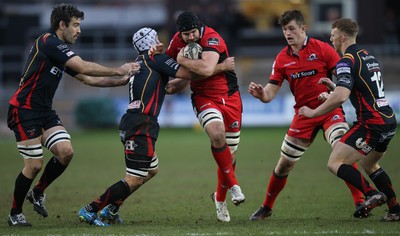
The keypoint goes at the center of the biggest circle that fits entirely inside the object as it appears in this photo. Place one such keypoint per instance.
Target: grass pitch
(177, 202)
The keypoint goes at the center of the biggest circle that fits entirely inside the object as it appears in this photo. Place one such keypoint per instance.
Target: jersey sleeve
(71, 72)
(344, 73)
(56, 49)
(166, 65)
(277, 74)
(172, 49)
(212, 42)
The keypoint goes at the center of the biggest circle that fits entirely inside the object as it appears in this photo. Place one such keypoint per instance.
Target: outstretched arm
(93, 69)
(176, 85)
(103, 81)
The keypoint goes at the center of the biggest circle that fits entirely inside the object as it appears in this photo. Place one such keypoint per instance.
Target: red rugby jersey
(222, 84)
(315, 60)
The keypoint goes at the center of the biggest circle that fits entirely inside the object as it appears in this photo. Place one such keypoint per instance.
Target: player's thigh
(344, 154)
(232, 114)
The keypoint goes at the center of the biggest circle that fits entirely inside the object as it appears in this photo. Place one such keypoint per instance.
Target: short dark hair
(347, 26)
(64, 12)
(187, 21)
(290, 15)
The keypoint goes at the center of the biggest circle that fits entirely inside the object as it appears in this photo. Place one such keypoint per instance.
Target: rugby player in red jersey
(359, 78)
(216, 102)
(302, 63)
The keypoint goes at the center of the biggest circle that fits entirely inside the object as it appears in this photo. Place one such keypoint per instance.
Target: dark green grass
(177, 202)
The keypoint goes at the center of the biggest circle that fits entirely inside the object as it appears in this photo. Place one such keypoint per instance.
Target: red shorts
(307, 128)
(230, 107)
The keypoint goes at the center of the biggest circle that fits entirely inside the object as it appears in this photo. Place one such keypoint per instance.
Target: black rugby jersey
(147, 88)
(42, 73)
(360, 72)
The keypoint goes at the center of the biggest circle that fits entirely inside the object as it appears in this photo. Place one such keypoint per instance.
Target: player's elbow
(340, 100)
(206, 72)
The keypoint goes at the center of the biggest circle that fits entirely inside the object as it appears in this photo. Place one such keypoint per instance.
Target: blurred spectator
(391, 26)
(332, 14)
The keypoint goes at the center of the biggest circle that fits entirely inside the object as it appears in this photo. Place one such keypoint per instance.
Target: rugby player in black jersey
(31, 115)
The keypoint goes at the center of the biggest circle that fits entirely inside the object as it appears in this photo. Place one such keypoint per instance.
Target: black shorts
(138, 133)
(365, 138)
(28, 124)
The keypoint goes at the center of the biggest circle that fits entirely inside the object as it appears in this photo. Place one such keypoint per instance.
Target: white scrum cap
(144, 38)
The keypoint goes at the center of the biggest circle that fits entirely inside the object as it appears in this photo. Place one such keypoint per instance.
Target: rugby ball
(192, 51)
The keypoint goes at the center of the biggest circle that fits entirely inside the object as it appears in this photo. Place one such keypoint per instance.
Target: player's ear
(62, 25)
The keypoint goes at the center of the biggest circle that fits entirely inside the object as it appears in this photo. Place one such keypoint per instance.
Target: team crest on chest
(312, 57)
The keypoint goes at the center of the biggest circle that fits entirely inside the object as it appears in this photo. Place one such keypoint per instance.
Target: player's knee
(284, 166)
(331, 168)
(218, 140)
(33, 167)
(65, 155)
(291, 151)
(134, 182)
(333, 165)
(152, 173)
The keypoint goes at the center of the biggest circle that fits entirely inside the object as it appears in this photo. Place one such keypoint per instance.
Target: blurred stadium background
(249, 27)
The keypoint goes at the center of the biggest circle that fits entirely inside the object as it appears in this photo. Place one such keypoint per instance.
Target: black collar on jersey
(352, 47)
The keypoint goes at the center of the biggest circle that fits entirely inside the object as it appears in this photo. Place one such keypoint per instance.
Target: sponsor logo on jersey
(361, 144)
(340, 64)
(373, 66)
(367, 57)
(134, 105)
(303, 74)
(344, 80)
(31, 132)
(70, 53)
(335, 117)
(207, 104)
(130, 145)
(294, 130)
(382, 102)
(343, 70)
(289, 64)
(387, 135)
(172, 63)
(312, 57)
(235, 125)
(61, 47)
(56, 71)
(213, 41)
